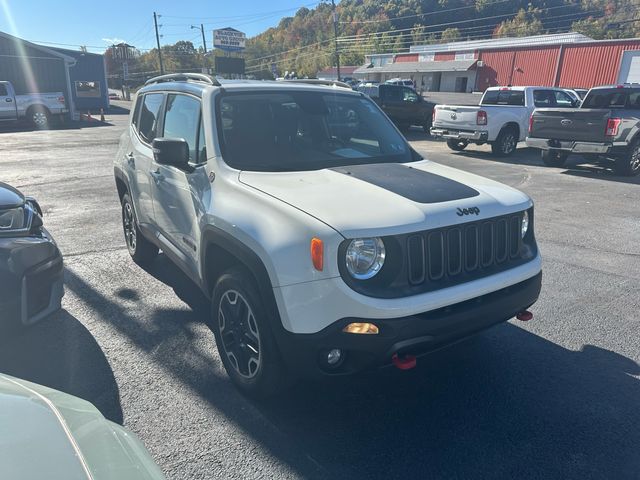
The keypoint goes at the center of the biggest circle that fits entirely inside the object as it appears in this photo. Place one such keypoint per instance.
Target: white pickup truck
(501, 119)
(37, 108)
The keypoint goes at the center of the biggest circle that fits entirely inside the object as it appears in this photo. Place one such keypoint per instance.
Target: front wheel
(554, 158)
(243, 336)
(141, 250)
(629, 165)
(506, 143)
(457, 145)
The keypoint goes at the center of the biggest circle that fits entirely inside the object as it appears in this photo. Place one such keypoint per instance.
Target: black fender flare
(118, 174)
(214, 236)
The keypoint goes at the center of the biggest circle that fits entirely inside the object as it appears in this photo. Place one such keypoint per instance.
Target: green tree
(524, 24)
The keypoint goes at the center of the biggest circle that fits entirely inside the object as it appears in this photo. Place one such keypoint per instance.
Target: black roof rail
(184, 77)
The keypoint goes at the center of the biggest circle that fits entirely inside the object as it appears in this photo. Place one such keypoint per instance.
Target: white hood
(388, 199)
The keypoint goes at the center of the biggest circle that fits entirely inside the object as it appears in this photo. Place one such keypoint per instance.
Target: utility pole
(155, 21)
(335, 36)
(204, 44)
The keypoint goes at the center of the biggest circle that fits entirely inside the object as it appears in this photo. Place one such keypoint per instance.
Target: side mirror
(171, 151)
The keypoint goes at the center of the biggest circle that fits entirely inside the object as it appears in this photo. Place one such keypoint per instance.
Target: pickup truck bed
(610, 132)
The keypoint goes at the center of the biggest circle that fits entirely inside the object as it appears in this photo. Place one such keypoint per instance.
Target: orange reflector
(317, 253)
(361, 328)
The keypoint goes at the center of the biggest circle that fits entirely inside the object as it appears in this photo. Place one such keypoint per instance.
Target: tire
(629, 164)
(457, 145)
(426, 124)
(554, 158)
(506, 143)
(39, 117)
(243, 335)
(141, 250)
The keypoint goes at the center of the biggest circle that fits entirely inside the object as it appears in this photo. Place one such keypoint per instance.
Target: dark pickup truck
(401, 104)
(606, 126)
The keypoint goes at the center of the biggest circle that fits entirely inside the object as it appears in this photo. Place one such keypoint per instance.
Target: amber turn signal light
(317, 253)
(361, 328)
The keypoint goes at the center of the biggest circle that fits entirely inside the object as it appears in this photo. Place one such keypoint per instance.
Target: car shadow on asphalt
(504, 404)
(60, 353)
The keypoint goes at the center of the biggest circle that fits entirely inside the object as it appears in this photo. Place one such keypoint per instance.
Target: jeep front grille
(459, 253)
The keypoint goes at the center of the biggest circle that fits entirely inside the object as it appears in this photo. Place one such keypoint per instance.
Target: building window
(426, 57)
(465, 55)
(88, 89)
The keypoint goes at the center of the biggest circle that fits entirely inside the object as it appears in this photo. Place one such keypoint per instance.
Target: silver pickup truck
(37, 108)
(605, 127)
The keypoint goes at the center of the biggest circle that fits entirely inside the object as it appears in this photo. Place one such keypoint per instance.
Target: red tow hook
(524, 316)
(407, 362)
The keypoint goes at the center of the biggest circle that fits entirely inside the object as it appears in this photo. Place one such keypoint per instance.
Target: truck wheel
(426, 124)
(39, 117)
(141, 250)
(554, 158)
(245, 343)
(506, 143)
(629, 165)
(457, 145)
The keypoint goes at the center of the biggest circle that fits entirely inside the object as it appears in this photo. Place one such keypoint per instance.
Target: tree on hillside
(524, 24)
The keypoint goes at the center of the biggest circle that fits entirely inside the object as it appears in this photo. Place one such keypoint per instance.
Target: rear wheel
(141, 250)
(426, 124)
(506, 143)
(457, 145)
(629, 164)
(246, 345)
(554, 158)
(39, 117)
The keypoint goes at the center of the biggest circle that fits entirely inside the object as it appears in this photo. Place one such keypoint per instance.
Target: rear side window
(148, 123)
(612, 98)
(392, 94)
(136, 111)
(182, 120)
(563, 99)
(543, 98)
(503, 97)
(3, 91)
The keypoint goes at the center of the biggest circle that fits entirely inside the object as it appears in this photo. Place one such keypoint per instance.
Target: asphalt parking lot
(557, 397)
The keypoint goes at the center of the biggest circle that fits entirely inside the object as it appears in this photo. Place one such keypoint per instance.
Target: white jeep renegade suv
(325, 243)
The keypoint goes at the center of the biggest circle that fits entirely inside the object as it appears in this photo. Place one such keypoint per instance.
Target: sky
(71, 23)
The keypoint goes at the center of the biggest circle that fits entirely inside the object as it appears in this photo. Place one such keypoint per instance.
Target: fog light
(334, 356)
(361, 328)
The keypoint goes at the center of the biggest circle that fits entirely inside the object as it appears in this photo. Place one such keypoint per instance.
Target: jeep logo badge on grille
(468, 211)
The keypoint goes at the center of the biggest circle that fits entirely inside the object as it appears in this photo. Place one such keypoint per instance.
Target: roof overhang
(420, 67)
(66, 58)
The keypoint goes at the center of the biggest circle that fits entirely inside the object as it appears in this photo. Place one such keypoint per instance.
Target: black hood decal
(411, 183)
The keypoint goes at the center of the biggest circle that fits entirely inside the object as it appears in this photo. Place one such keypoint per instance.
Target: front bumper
(31, 272)
(415, 334)
(475, 136)
(569, 145)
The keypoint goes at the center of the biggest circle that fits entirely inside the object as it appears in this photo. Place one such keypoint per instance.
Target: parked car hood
(10, 197)
(48, 434)
(387, 199)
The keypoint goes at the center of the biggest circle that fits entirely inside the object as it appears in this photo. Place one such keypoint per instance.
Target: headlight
(365, 257)
(13, 219)
(525, 224)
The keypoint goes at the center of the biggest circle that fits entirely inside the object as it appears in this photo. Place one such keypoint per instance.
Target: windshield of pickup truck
(613, 98)
(503, 97)
(291, 131)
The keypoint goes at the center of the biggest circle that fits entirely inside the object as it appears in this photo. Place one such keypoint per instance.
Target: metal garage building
(565, 60)
(33, 68)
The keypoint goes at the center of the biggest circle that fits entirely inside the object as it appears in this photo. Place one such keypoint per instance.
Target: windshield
(612, 98)
(290, 131)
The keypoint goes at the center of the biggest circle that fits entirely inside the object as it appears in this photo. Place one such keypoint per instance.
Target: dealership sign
(229, 39)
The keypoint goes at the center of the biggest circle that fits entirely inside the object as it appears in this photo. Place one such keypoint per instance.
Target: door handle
(130, 158)
(8, 100)
(157, 176)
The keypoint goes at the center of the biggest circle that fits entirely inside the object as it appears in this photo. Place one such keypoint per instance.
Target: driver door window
(182, 120)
